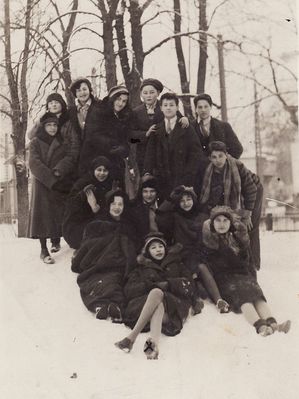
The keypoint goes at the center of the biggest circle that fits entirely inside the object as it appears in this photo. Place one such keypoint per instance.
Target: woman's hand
(184, 121)
(150, 130)
(91, 199)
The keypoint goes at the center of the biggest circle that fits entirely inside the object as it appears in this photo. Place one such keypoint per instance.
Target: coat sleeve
(71, 144)
(38, 168)
(136, 286)
(150, 155)
(194, 156)
(248, 187)
(234, 147)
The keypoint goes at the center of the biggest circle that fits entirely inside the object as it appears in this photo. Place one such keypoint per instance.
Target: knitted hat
(56, 97)
(222, 210)
(152, 82)
(148, 181)
(177, 194)
(217, 146)
(153, 237)
(202, 96)
(76, 84)
(48, 117)
(117, 90)
(101, 161)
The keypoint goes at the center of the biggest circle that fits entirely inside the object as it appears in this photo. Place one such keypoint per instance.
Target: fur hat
(202, 96)
(101, 161)
(56, 97)
(152, 82)
(225, 211)
(117, 90)
(76, 84)
(148, 181)
(153, 237)
(177, 194)
(217, 146)
(48, 117)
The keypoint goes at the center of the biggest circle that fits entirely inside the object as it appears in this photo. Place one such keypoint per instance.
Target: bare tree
(16, 73)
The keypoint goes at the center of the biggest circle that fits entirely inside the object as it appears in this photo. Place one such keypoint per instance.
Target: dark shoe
(125, 345)
(102, 312)
(197, 306)
(115, 313)
(151, 349)
(262, 328)
(222, 306)
(46, 258)
(55, 248)
(282, 327)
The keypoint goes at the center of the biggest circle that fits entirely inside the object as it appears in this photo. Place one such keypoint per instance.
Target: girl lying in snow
(158, 297)
(228, 258)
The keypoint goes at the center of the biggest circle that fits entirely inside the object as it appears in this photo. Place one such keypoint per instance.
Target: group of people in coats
(191, 232)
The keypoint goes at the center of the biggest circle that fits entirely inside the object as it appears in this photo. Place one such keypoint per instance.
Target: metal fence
(280, 223)
(7, 218)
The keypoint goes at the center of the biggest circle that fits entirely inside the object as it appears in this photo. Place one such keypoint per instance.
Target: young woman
(105, 257)
(86, 200)
(158, 295)
(228, 257)
(49, 164)
(110, 137)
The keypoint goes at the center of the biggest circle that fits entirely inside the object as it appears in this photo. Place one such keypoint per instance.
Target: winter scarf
(231, 184)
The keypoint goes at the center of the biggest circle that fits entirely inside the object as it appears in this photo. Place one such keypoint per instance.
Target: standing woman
(110, 137)
(48, 162)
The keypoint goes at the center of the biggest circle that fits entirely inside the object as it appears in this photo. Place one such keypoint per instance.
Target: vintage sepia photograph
(149, 199)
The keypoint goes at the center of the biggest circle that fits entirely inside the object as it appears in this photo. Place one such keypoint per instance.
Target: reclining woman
(158, 293)
(86, 200)
(105, 258)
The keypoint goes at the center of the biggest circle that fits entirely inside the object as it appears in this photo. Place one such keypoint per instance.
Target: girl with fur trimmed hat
(228, 258)
(48, 162)
(158, 293)
(86, 200)
(105, 257)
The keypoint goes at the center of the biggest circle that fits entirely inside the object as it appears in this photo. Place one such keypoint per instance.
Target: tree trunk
(185, 87)
(203, 47)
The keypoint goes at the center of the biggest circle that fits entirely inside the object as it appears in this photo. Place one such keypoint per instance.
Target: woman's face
(149, 195)
(51, 128)
(149, 95)
(54, 107)
(101, 173)
(221, 224)
(116, 207)
(186, 203)
(157, 250)
(83, 93)
(120, 102)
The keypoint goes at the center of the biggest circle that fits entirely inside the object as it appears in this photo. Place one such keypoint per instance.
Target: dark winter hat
(222, 210)
(203, 96)
(148, 181)
(217, 146)
(76, 84)
(109, 197)
(177, 194)
(56, 97)
(117, 90)
(152, 82)
(153, 237)
(101, 161)
(48, 118)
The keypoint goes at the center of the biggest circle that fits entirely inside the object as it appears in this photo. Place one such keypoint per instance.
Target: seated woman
(144, 208)
(86, 200)
(105, 257)
(228, 258)
(158, 295)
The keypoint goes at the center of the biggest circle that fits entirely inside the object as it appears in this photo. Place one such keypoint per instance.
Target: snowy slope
(47, 335)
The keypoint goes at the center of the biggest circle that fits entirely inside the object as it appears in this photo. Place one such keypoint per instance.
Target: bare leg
(262, 309)
(151, 346)
(212, 288)
(154, 299)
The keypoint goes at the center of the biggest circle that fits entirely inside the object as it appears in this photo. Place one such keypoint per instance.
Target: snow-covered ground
(53, 348)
